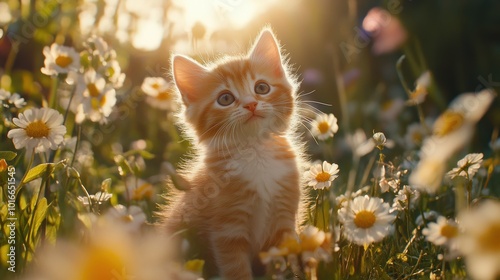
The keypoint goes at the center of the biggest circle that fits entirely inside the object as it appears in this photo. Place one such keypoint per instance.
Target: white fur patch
(257, 165)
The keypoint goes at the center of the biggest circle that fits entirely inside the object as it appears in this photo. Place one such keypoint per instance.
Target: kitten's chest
(263, 168)
(267, 171)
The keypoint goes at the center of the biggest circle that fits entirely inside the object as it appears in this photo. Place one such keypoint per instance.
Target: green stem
(315, 213)
(368, 169)
(69, 105)
(9, 63)
(399, 70)
(28, 167)
(53, 93)
(460, 199)
(352, 176)
(31, 229)
(325, 225)
(469, 192)
(78, 139)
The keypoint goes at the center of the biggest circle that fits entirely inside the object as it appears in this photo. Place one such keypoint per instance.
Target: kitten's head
(237, 98)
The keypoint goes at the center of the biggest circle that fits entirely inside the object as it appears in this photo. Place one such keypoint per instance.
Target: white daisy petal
(366, 220)
(41, 129)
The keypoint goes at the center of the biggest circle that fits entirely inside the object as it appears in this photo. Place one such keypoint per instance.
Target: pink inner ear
(266, 50)
(188, 74)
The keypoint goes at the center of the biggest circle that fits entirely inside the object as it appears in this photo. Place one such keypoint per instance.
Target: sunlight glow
(145, 23)
(214, 14)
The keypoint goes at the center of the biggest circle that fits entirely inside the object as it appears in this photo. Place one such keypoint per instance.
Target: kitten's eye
(262, 88)
(225, 99)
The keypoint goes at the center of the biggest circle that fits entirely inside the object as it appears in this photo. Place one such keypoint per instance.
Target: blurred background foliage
(345, 53)
(327, 42)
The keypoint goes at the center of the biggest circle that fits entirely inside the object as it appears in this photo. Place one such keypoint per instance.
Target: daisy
(422, 84)
(7, 98)
(479, 242)
(441, 233)
(380, 139)
(130, 219)
(366, 220)
(429, 216)
(98, 197)
(340, 200)
(100, 48)
(291, 244)
(415, 134)
(138, 189)
(108, 253)
(39, 129)
(315, 244)
(467, 167)
(311, 238)
(404, 195)
(321, 176)
(113, 71)
(324, 126)
(160, 93)
(98, 98)
(451, 132)
(387, 184)
(359, 144)
(60, 60)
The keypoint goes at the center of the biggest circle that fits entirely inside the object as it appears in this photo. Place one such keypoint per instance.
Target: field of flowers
(404, 164)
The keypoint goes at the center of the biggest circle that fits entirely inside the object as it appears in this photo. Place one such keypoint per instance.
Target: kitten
(243, 189)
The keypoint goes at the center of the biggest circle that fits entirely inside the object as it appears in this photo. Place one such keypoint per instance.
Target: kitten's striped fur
(243, 188)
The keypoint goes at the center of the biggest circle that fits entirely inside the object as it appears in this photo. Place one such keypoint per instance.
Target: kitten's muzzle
(251, 106)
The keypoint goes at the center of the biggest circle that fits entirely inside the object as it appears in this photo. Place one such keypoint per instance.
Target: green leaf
(142, 153)
(106, 184)
(40, 213)
(43, 170)
(7, 155)
(123, 165)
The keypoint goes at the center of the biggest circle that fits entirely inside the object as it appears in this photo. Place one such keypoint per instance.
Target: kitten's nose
(251, 106)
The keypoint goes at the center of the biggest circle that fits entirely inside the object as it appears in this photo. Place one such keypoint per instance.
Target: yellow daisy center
(323, 127)
(98, 103)
(164, 95)
(448, 122)
(37, 129)
(364, 219)
(449, 231)
(102, 264)
(63, 61)
(127, 218)
(323, 177)
(93, 91)
(291, 244)
(489, 239)
(155, 85)
(419, 91)
(143, 191)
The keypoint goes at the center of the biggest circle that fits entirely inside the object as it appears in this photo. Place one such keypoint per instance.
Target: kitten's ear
(187, 76)
(267, 51)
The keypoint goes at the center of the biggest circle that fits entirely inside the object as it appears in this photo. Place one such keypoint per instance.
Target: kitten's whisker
(303, 93)
(316, 102)
(310, 108)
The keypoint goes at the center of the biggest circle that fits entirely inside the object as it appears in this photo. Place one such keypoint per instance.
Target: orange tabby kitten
(242, 190)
